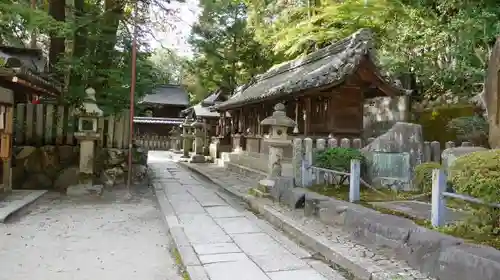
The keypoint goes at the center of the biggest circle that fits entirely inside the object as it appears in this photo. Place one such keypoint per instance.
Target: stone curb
(190, 263)
(316, 243)
(15, 206)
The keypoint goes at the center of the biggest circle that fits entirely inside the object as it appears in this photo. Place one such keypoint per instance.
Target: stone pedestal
(87, 145)
(236, 143)
(199, 136)
(186, 138)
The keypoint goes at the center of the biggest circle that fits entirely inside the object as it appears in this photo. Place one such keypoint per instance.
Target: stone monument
(199, 139)
(278, 138)
(87, 134)
(186, 137)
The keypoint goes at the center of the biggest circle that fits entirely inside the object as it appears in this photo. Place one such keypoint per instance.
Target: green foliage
(423, 176)
(478, 175)
(444, 42)
(89, 46)
(226, 54)
(435, 122)
(338, 159)
(473, 129)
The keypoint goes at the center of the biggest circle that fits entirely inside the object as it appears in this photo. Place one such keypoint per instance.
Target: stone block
(281, 184)
(312, 203)
(467, 261)
(377, 229)
(197, 159)
(423, 247)
(84, 189)
(294, 197)
(333, 212)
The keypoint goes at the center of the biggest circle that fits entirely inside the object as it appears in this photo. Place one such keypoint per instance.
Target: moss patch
(178, 261)
(366, 194)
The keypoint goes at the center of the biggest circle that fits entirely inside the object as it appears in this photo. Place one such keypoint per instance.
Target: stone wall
(381, 113)
(435, 254)
(57, 167)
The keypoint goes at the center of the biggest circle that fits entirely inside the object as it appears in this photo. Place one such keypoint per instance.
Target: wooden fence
(47, 124)
(153, 142)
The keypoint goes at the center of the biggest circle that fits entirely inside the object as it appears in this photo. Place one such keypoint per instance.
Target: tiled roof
(168, 95)
(328, 66)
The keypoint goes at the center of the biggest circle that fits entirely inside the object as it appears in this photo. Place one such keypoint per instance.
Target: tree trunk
(33, 38)
(77, 80)
(57, 9)
(491, 96)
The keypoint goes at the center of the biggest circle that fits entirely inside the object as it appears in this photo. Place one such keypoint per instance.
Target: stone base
(197, 159)
(85, 189)
(258, 193)
(176, 151)
(266, 185)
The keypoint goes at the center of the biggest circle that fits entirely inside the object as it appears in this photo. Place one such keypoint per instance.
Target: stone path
(222, 240)
(379, 262)
(64, 238)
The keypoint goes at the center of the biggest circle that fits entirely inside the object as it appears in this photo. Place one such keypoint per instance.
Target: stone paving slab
(225, 242)
(359, 260)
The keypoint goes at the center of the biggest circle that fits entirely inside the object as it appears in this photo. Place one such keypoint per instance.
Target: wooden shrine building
(323, 92)
(163, 109)
(22, 80)
(23, 71)
(202, 111)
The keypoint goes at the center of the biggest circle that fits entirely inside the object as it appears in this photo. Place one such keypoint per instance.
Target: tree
(226, 54)
(444, 42)
(89, 44)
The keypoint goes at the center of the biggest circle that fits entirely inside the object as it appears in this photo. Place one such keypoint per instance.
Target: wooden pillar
(307, 116)
(240, 120)
(233, 122)
(6, 146)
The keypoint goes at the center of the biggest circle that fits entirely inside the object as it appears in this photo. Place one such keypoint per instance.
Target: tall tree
(444, 42)
(89, 43)
(226, 53)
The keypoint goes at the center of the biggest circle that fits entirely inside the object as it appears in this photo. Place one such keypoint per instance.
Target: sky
(174, 33)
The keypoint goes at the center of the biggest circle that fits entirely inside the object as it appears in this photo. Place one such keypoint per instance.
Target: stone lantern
(87, 132)
(278, 137)
(199, 139)
(174, 139)
(186, 137)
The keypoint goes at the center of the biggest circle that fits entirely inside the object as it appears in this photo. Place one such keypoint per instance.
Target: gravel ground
(87, 238)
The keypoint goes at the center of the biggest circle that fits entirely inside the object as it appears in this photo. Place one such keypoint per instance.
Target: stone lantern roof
(197, 123)
(278, 118)
(89, 106)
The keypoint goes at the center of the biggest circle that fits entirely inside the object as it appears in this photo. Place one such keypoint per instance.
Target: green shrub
(338, 158)
(434, 121)
(423, 176)
(473, 129)
(478, 175)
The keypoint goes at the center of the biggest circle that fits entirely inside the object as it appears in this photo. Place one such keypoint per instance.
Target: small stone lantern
(186, 137)
(199, 139)
(278, 137)
(174, 139)
(87, 132)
